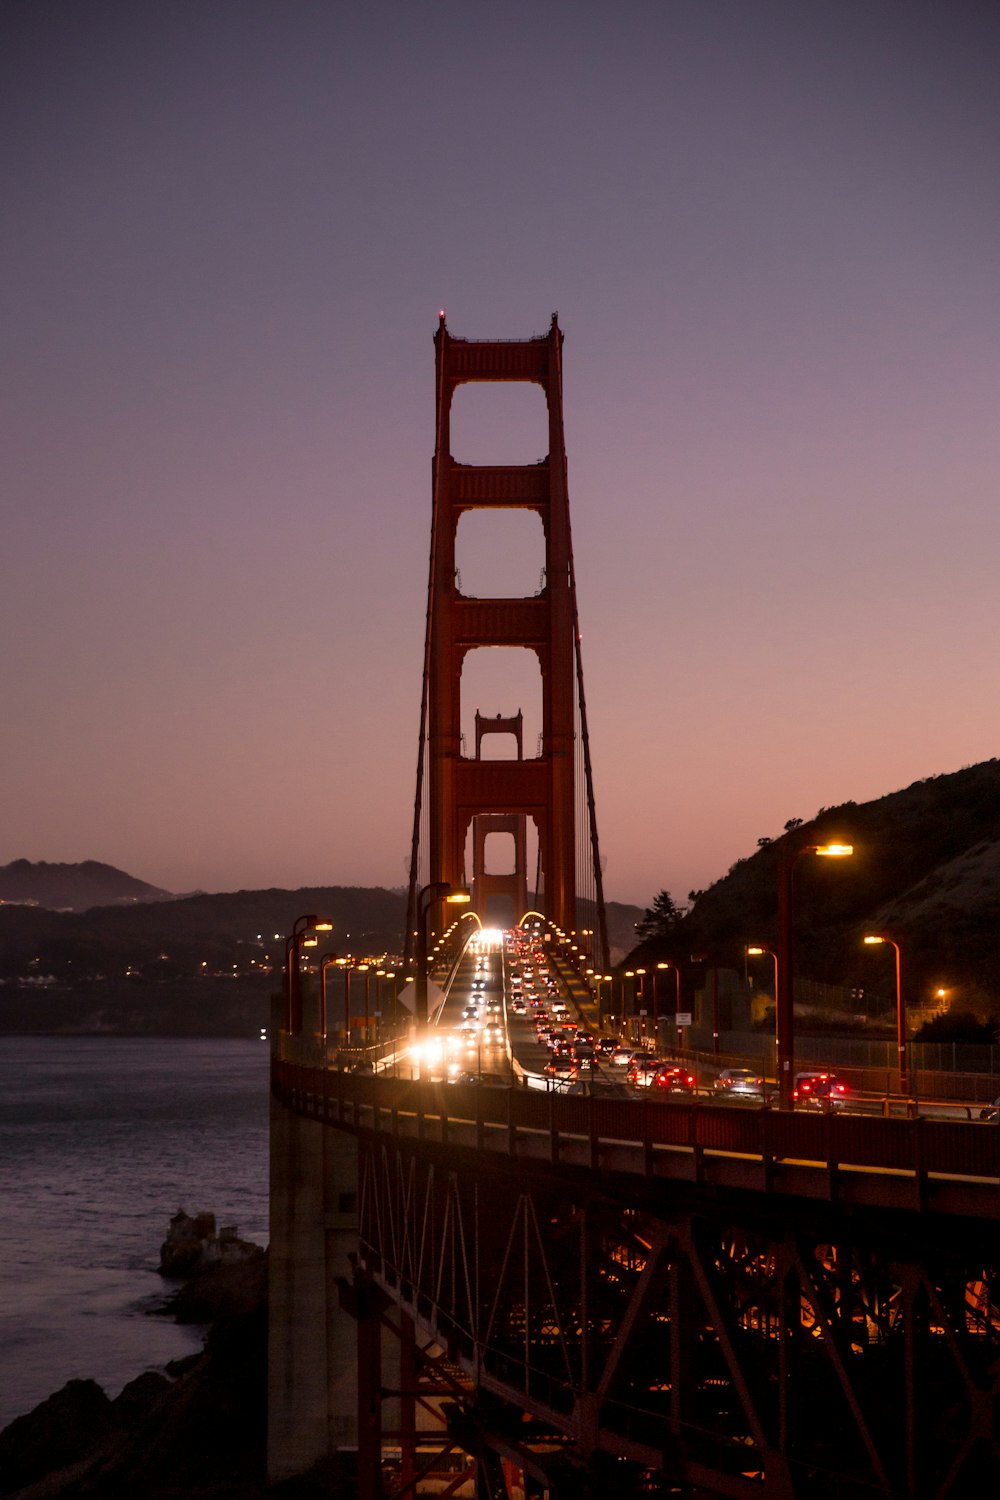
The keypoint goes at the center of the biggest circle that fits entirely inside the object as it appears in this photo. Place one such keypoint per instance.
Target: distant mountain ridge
(73, 887)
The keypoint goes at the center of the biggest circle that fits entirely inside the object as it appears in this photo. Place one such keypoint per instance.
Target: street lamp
(876, 941)
(379, 976)
(293, 991)
(363, 969)
(784, 1003)
(324, 964)
(679, 1033)
(756, 952)
(438, 890)
(597, 980)
(641, 975)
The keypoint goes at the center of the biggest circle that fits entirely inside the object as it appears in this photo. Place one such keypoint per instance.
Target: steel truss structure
(685, 1345)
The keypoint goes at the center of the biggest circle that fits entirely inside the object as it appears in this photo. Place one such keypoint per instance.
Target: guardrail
(922, 1164)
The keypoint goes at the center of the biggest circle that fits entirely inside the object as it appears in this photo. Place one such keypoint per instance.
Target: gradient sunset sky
(772, 235)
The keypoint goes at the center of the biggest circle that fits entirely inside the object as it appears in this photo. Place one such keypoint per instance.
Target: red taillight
(690, 1079)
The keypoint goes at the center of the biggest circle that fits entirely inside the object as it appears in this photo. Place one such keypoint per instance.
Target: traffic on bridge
(528, 1244)
(513, 1014)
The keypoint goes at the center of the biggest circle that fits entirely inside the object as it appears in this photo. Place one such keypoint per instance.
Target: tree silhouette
(660, 920)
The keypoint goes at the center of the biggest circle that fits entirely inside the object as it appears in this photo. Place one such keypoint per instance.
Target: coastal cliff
(197, 1430)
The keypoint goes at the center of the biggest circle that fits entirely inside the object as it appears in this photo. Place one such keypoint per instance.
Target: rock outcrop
(196, 1430)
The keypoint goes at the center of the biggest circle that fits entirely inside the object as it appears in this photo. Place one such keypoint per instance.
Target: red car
(673, 1081)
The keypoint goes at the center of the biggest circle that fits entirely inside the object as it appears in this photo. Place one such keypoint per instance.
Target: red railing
(505, 1118)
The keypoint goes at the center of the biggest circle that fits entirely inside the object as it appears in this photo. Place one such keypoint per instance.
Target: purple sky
(772, 234)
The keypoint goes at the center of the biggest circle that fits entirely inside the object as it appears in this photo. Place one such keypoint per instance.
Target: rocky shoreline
(197, 1430)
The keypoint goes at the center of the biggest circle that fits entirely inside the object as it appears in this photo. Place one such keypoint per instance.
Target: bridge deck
(945, 1167)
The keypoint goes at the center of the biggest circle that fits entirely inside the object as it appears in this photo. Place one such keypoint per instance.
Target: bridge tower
(554, 789)
(487, 886)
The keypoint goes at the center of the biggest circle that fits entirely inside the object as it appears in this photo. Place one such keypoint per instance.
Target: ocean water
(101, 1141)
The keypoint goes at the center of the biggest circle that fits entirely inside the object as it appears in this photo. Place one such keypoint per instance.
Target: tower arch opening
(499, 422)
(500, 554)
(501, 681)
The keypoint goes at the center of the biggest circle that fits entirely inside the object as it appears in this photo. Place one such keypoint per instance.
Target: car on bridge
(738, 1083)
(819, 1091)
(483, 1080)
(643, 1068)
(673, 1080)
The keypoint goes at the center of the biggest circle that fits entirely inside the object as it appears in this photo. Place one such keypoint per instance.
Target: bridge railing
(907, 1161)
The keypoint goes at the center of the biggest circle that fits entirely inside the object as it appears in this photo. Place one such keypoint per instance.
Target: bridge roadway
(710, 1300)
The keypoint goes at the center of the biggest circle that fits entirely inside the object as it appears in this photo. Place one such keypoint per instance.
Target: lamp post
(756, 951)
(325, 962)
(877, 940)
(346, 964)
(379, 976)
(438, 890)
(597, 980)
(660, 967)
(784, 1003)
(364, 969)
(677, 1001)
(293, 990)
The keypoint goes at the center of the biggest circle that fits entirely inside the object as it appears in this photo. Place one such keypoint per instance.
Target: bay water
(102, 1139)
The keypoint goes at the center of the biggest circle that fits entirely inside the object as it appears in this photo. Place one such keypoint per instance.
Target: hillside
(75, 887)
(925, 870)
(167, 938)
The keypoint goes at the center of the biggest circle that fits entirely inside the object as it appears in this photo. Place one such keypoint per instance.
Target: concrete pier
(312, 1358)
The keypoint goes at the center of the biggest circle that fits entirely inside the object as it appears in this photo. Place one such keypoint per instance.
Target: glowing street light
(756, 952)
(876, 940)
(295, 940)
(438, 890)
(789, 854)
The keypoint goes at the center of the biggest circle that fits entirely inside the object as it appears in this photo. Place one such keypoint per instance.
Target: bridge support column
(407, 1399)
(312, 1351)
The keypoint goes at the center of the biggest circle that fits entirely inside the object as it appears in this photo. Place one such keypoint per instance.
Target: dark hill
(72, 887)
(168, 938)
(925, 870)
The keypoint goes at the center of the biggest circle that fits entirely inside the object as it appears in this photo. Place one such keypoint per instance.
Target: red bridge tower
(501, 795)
